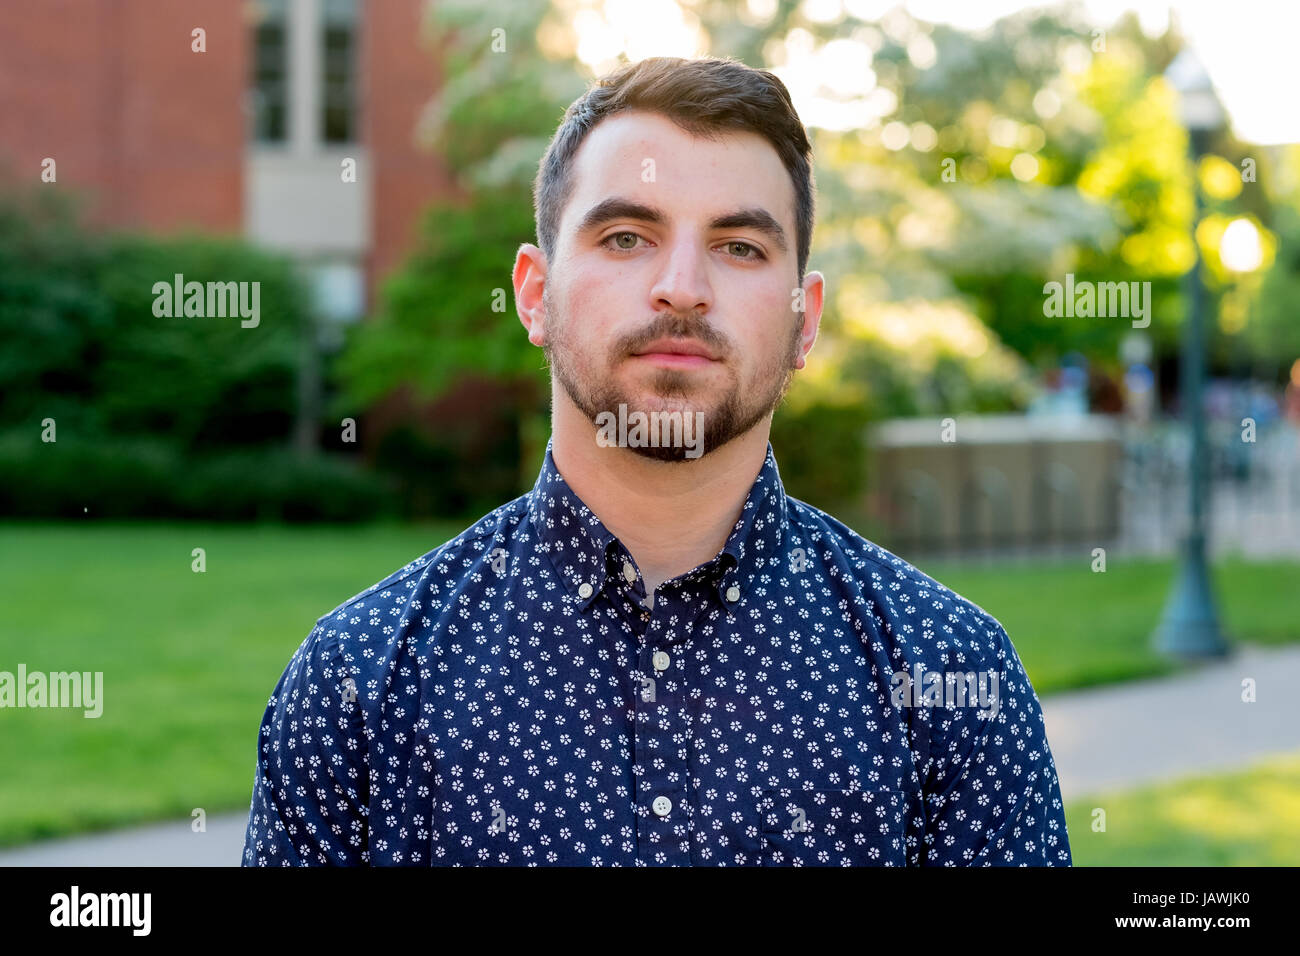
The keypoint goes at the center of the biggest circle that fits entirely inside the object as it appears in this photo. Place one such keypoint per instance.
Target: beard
(732, 414)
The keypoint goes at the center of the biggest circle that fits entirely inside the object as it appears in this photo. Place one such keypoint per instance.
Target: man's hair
(705, 97)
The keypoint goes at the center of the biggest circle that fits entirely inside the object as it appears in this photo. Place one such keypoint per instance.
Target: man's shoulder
(394, 590)
(898, 594)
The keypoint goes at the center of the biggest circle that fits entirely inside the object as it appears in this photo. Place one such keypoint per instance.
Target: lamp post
(1189, 626)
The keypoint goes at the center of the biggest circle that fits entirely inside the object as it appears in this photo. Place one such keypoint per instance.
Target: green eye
(614, 237)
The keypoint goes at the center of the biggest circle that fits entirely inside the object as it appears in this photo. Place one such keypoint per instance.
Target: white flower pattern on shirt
(507, 699)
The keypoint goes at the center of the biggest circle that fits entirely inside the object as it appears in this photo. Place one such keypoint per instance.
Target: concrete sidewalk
(1107, 739)
(159, 844)
(1126, 735)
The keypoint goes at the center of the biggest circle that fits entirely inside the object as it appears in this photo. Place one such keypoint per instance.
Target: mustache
(691, 326)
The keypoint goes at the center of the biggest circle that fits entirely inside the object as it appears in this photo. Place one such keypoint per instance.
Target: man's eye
(757, 253)
(620, 248)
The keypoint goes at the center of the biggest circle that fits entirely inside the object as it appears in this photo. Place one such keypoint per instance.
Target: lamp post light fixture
(1241, 250)
(1189, 625)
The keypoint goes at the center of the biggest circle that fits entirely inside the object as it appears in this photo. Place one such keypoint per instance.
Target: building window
(338, 71)
(270, 93)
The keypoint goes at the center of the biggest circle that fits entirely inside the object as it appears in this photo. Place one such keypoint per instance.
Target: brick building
(248, 137)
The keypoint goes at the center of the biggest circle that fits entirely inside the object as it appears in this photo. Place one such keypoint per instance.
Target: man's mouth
(676, 353)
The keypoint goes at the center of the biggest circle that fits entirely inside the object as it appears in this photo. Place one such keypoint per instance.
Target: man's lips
(677, 354)
(675, 359)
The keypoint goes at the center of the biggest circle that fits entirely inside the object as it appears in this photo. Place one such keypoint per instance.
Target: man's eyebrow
(608, 210)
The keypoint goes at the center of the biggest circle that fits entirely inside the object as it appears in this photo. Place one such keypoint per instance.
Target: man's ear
(530, 282)
(814, 288)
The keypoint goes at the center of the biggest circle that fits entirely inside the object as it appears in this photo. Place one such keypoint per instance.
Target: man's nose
(683, 283)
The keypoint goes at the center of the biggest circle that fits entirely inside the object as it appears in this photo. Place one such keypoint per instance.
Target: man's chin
(657, 430)
(668, 453)
(644, 378)
(665, 397)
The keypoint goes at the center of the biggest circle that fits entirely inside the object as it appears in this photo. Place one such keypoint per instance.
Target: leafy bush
(79, 478)
(821, 450)
(85, 347)
(154, 415)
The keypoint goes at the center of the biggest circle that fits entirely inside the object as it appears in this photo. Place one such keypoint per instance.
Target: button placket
(662, 837)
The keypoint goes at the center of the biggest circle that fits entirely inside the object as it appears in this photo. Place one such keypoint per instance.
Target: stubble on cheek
(568, 362)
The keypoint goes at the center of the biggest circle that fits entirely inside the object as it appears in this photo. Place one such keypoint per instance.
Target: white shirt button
(733, 593)
(584, 590)
(661, 661)
(629, 572)
(661, 806)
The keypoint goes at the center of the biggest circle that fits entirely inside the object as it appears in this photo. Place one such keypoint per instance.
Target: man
(656, 657)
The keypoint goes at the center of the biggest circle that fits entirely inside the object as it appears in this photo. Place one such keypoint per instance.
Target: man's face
(686, 314)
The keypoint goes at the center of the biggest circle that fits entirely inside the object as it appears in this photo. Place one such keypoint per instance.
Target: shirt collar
(586, 554)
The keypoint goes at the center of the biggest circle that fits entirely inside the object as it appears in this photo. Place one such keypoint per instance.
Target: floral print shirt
(803, 698)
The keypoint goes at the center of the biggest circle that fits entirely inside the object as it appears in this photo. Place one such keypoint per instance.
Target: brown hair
(703, 96)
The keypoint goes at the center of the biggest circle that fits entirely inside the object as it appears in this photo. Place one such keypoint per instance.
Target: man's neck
(671, 516)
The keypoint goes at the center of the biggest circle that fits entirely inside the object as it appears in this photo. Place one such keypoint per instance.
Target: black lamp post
(1189, 626)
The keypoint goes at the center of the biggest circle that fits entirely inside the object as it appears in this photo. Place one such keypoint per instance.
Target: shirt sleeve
(992, 797)
(310, 793)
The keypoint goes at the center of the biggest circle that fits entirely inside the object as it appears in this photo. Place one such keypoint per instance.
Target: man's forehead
(635, 152)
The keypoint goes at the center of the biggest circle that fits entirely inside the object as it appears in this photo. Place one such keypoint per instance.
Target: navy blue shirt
(803, 698)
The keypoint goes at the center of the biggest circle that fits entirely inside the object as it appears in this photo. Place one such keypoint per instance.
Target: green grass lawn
(1073, 627)
(1249, 818)
(189, 659)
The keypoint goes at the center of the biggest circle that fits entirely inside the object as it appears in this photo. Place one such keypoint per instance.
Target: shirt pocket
(831, 828)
